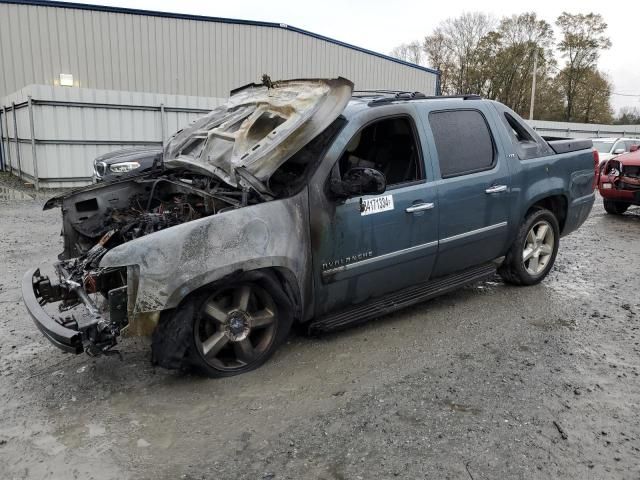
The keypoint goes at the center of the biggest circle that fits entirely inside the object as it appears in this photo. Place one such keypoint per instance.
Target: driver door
(368, 245)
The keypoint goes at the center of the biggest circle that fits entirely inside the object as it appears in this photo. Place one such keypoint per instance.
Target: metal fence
(51, 141)
(583, 130)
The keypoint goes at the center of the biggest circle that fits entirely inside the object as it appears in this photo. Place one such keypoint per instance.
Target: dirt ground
(489, 382)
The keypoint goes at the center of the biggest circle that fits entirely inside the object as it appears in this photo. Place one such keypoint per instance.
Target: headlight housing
(123, 167)
(99, 168)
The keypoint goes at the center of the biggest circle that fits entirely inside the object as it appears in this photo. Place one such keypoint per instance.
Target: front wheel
(534, 250)
(237, 328)
(615, 208)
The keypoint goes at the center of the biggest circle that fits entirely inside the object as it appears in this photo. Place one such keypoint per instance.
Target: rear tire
(534, 250)
(615, 208)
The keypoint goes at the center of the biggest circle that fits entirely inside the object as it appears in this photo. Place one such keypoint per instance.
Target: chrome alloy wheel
(235, 326)
(538, 247)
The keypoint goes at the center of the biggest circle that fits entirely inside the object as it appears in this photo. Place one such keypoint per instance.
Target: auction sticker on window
(369, 206)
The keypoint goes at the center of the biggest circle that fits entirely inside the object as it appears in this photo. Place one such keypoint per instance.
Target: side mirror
(359, 181)
(618, 151)
(634, 148)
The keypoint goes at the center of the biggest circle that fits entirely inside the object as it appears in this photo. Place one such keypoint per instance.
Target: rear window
(463, 142)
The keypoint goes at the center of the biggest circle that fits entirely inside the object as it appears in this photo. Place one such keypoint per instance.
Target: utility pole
(533, 85)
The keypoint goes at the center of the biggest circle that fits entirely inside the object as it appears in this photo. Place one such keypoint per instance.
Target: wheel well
(280, 276)
(556, 204)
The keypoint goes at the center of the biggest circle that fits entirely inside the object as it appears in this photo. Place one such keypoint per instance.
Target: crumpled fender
(176, 261)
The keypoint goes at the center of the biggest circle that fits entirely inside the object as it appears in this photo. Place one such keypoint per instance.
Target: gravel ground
(489, 382)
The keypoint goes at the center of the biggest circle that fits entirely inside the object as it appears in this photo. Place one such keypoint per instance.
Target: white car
(610, 147)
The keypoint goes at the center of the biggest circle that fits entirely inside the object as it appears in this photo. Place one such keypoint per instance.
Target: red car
(619, 182)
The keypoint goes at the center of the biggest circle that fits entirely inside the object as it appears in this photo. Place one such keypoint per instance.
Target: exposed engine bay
(124, 211)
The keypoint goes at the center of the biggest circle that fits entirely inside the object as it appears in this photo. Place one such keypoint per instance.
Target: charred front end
(256, 150)
(85, 307)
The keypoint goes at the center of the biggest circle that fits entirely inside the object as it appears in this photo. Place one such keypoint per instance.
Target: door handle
(419, 207)
(496, 189)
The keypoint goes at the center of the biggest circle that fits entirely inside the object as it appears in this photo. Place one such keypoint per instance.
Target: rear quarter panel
(569, 175)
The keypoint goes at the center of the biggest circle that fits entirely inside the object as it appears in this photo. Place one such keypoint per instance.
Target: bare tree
(463, 35)
(440, 57)
(476, 54)
(409, 52)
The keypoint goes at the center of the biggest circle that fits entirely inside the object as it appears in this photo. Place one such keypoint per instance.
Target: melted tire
(171, 339)
(513, 269)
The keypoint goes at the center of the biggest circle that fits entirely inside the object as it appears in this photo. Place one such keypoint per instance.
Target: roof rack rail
(380, 92)
(420, 96)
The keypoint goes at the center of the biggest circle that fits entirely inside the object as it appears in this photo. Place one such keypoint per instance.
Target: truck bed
(570, 145)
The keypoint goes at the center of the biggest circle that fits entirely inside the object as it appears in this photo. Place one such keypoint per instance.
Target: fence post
(163, 126)
(33, 144)
(15, 133)
(1, 145)
(6, 131)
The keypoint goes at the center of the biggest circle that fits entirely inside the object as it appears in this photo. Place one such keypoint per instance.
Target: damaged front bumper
(66, 339)
(91, 331)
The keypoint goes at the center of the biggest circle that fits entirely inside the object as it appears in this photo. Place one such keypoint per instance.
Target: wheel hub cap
(237, 326)
(538, 248)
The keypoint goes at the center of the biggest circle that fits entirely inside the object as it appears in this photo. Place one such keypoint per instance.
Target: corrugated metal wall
(142, 52)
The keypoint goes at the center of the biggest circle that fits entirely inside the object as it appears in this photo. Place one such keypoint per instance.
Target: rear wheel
(615, 208)
(534, 250)
(236, 328)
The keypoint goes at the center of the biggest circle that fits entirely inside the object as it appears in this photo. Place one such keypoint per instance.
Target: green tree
(583, 37)
(549, 99)
(514, 45)
(592, 103)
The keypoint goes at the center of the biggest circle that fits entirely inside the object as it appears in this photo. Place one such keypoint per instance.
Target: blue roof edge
(203, 18)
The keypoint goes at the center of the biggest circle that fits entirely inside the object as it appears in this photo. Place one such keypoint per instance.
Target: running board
(397, 300)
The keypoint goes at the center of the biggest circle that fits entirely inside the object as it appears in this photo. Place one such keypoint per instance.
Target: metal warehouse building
(79, 80)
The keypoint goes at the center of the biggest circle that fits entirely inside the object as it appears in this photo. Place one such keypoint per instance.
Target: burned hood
(258, 129)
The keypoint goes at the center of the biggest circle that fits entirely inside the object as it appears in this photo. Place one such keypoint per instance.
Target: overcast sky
(380, 25)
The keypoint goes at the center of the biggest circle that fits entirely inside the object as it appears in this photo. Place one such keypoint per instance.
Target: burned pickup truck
(304, 202)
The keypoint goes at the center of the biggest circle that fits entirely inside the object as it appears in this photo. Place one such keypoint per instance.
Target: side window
(389, 146)
(620, 145)
(632, 143)
(463, 142)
